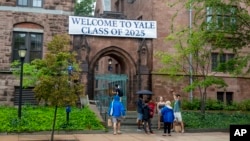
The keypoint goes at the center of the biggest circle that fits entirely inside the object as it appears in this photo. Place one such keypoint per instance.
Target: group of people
(146, 109)
(166, 114)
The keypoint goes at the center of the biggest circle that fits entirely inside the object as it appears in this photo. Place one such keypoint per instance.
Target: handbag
(177, 126)
(109, 122)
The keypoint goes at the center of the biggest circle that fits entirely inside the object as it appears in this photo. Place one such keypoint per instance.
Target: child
(146, 118)
(168, 117)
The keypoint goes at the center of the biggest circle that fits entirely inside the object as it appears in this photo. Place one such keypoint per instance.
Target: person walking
(160, 105)
(139, 112)
(177, 111)
(117, 112)
(118, 91)
(168, 118)
(146, 118)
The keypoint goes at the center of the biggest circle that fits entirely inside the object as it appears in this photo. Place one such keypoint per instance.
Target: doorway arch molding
(127, 62)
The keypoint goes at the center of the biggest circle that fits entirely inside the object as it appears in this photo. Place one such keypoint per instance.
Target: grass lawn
(36, 119)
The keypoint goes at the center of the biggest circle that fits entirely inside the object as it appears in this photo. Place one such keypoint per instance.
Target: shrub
(213, 119)
(188, 105)
(244, 105)
(212, 104)
(231, 107)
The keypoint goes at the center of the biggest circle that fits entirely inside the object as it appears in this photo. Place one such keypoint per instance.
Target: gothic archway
(127, 67)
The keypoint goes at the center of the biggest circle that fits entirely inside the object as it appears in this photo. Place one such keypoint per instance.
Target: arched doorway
(103, 75)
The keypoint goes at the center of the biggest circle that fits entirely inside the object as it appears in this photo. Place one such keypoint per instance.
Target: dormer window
(30, 3)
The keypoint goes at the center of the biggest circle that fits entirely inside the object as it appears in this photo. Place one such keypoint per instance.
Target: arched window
(30, 36)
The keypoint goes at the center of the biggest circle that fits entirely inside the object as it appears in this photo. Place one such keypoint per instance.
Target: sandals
(118, 132)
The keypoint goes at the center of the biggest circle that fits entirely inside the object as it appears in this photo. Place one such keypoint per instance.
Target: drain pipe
(190, 55)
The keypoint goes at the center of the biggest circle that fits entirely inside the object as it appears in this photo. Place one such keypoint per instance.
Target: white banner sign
(112, 27)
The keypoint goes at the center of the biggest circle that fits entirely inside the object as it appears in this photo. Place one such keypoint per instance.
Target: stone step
(130, 121)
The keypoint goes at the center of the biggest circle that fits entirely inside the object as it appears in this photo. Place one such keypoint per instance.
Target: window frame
(28, 44)
(225, 97)
(216, 18)
(220, 97)
(30, 3)
(218, 58)
(229, 98)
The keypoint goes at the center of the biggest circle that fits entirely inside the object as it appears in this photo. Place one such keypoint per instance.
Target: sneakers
(139, 129)
(182, 131)
(119, 132)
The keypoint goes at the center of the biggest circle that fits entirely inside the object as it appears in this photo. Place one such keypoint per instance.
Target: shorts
(116, 119)
(177, 116)
(139, 116)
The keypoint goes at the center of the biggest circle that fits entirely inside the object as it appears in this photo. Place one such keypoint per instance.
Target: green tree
(217, 26)
(84, 7)
(51, 77)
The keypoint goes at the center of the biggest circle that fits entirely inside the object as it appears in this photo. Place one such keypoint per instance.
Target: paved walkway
(137, 136)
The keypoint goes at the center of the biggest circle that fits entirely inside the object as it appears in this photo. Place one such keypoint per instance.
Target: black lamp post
(68, 108)
(21, 53)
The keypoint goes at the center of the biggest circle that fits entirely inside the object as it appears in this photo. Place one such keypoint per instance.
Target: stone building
(140, 64)
(133, 63)
(29, 23)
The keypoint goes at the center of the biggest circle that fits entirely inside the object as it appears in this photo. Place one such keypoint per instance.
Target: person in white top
(160, 105)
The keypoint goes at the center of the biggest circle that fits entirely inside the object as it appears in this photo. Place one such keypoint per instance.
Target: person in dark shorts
(146, 117)
(139, 112)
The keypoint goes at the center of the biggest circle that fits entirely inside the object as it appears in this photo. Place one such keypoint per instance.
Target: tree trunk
(54, 123)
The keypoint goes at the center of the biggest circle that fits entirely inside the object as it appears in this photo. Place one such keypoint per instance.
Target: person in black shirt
(118, 91)
(146, 117)
(139, 112)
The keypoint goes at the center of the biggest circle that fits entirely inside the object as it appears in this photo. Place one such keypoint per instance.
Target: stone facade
(51, 19)
(161, 84)
(135, 57)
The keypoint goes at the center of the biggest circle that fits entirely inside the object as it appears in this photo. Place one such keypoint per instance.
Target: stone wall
(53, 19)
(51, 24)
(7, 81)
(65, 5)
(163, 84)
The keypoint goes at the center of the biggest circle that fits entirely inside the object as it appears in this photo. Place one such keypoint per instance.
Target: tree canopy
(55, 77)
(84, 7)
